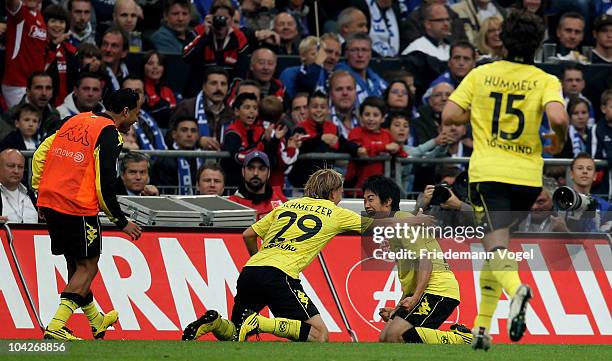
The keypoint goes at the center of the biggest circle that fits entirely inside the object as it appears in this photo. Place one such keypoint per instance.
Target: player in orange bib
(74, 171)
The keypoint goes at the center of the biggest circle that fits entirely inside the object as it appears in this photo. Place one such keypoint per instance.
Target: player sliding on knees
(430, 290)
(293, 234)
(505, 101)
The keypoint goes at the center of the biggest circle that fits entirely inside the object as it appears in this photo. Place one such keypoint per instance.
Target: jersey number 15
(510, 109)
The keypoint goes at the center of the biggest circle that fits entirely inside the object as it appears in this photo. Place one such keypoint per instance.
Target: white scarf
(384, 31)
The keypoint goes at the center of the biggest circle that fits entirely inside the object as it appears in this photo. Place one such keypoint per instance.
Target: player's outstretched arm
(454, 114)
(559, 120)
(250, 240)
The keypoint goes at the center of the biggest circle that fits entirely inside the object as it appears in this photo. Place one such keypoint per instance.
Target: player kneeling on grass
(430, 290)
(293, 234)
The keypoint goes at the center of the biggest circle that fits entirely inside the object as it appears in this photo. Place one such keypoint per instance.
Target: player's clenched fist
(132, 230)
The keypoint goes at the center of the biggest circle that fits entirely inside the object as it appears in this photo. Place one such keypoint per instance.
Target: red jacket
(233, 56)
(375, 143)
(262, 208)
(286, 156)
(316, 130)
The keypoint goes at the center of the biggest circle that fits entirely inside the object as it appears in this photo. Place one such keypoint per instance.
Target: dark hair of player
(385, 188)
(522, 33)
(118, 100)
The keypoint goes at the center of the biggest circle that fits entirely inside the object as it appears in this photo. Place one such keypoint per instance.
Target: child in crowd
(27, 121)
(399, 126)
(284, 146)
(243, 135)
(318, 135)
(90, 61)
(372, 141)
(308, 55)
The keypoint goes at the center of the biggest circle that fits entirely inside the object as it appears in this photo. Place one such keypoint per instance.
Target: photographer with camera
(444, 200)
(219, 42)
(583, 211)
(542, 217)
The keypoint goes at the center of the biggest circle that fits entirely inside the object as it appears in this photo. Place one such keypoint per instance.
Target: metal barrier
(390, 162)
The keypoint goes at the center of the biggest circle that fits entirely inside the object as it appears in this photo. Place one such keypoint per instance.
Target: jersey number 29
(309, 232)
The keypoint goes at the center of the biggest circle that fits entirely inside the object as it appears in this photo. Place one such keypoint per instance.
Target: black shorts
(73, 236)
(261, 286)
(430, 312)
(501, 205)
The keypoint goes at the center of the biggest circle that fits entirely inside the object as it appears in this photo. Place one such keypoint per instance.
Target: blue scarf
(145, 143)
(200, 114)
(335, 118)
(184, 174)
(373, 86)
(113, 78)
(578, 143)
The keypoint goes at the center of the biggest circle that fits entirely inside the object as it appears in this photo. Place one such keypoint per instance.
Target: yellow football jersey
(295, 232)
(442, 281)
(506, 101)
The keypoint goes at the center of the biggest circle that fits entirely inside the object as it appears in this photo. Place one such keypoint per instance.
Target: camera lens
(219, 21)
(565, 199)
(440, 195)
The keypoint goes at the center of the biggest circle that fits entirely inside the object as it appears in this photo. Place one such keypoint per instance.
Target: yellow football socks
(281, 327)
(64, 311)
(490, 291)
(505, 271)
(93, 315)
(225, 331)
(437, 337)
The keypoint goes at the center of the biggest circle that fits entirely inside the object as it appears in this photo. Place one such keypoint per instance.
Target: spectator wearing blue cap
(254, 190)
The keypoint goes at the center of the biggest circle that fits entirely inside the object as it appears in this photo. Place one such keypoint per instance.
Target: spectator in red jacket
(219, 42)
(318, 135)
(160, 99)
(26, 41)
(280, 140)
(372, 140)
(254, 190)
(61, 60)
(243, 136)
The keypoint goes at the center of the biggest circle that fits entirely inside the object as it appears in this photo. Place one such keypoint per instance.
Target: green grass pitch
(290, 351)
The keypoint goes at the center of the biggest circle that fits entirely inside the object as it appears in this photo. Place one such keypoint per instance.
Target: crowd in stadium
(62, 57)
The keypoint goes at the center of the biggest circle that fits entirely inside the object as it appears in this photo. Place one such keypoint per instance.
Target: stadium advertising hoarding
(164, 280)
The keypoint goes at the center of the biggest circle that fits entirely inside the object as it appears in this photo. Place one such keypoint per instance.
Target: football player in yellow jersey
(430, 289)
(505, 101)
(293, 234)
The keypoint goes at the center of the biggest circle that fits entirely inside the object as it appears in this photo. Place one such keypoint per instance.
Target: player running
(505, 101)
(430, 289)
